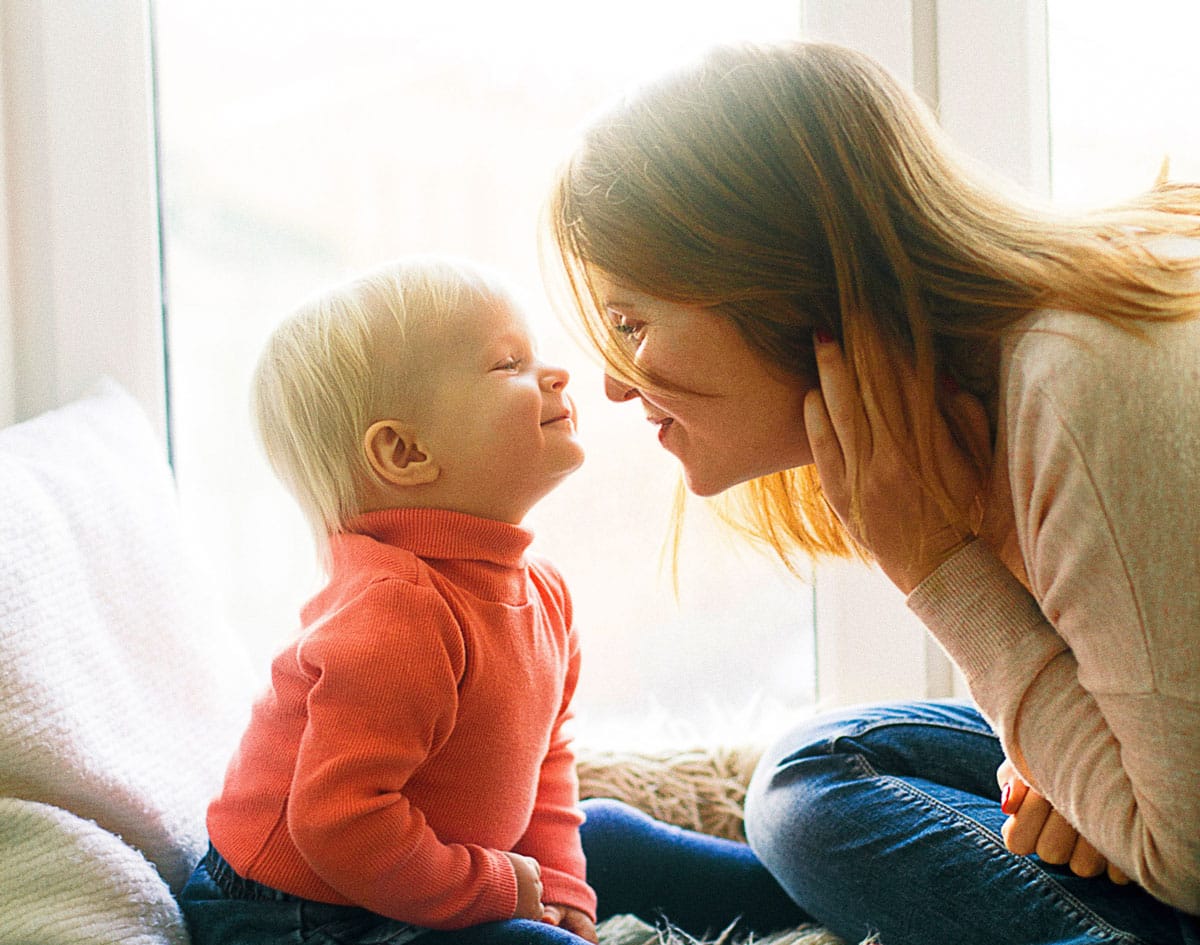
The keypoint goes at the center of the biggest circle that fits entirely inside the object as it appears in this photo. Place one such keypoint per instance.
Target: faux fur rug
(701, 789)
(629, 930)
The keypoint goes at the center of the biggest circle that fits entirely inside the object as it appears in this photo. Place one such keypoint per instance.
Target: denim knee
(804, 777)
(783, 820)
(865, 815)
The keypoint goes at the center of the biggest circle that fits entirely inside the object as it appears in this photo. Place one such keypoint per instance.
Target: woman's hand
(1034, 826)
(572, 920)
(905, 531)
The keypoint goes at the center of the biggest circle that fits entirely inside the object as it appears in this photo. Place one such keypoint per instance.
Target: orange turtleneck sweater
(415, 731)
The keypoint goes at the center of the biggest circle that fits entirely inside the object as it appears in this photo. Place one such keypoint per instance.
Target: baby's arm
(372, 720)
(552, 836)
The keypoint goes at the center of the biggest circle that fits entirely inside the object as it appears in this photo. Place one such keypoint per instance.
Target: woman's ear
(393, 452)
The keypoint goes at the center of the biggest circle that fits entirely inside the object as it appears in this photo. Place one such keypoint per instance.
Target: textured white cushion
(66, 880)
(121, 693)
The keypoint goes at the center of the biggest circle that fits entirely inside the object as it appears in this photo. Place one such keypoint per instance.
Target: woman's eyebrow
(620, 306)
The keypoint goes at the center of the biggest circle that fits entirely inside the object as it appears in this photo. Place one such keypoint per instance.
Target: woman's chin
(706, 487)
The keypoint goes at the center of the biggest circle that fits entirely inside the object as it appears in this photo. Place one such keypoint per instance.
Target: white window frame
(81, 293)
(80, 250)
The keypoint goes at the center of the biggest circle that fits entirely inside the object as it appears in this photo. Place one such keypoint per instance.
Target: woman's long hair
(798, 187)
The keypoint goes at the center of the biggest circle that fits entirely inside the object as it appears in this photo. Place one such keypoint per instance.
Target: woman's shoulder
(1080, 354)
(1121, 399)
(1049, 341)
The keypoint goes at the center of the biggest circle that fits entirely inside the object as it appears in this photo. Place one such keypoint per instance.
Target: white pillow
(66, 880)
(122, 694)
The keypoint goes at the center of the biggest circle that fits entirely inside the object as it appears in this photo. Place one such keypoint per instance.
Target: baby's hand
(529, 887)
(572, 920)
(1034, 826)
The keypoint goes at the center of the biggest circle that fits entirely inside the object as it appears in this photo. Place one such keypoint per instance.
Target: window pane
(1123, 96)
(304, 142)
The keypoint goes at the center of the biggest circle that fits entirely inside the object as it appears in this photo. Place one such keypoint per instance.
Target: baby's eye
(509, 364)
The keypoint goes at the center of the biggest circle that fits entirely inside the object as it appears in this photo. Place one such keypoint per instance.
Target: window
(299, 147)
(239, 255)
(1123, 97)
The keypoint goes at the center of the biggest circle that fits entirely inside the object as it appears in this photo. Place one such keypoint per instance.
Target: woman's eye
(628, 332)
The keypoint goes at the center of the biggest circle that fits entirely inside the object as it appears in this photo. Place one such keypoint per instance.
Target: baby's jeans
(700, 885)
(886, 819)
(222, 908)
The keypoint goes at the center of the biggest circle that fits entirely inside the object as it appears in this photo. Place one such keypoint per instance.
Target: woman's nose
(618, 390)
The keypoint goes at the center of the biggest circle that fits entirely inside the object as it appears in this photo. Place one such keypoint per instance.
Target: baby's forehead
(479, 324)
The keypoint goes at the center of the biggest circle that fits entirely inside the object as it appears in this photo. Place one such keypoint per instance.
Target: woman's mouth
(664, 424)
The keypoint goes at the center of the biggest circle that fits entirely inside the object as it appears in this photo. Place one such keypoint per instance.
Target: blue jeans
(699, 884)
(222, 908)
(637, 866)
(886, 819)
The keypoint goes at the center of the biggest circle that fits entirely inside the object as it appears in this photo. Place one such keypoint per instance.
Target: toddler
(407, 773)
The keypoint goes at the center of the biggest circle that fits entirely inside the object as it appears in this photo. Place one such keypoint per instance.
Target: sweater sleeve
(552, 837)
(386, 668)
(1093, 679)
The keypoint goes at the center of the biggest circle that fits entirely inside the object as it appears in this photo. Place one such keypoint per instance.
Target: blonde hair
(798, 187)
(342, 357)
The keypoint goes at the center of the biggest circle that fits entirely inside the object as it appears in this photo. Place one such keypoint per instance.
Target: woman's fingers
(827, 451)
(841, 397)
(1117, 876)
(863, 441)
(1056, 843)
(1086, 860)
(1034, 826)
(1022, 829)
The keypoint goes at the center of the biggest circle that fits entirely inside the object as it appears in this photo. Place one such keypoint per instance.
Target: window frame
(81, 270)
(82, 290)
(982, 67)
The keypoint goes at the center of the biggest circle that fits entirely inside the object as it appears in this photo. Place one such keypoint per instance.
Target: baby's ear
(396, 456)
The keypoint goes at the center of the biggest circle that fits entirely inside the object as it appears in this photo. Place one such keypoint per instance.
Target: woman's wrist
(910, 578)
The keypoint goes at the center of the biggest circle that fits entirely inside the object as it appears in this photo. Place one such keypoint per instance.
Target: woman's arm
(1092, 684)
(1092, 675)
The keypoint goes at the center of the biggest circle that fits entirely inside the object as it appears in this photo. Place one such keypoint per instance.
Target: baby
(407, 773)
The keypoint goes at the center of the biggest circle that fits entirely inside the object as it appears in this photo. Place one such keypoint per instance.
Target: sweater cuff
(565, 889)
(980, 613)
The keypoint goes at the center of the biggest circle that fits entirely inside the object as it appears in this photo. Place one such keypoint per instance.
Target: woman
(824, 314)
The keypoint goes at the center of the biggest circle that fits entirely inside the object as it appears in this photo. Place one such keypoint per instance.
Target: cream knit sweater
(1092, 675)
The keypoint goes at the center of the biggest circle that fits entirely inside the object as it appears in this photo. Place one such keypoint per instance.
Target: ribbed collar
(440, 535)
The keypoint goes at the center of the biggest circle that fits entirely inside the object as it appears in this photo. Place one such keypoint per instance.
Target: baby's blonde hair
(324, 375)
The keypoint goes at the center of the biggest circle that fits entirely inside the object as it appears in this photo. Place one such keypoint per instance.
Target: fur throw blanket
(700, 788)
